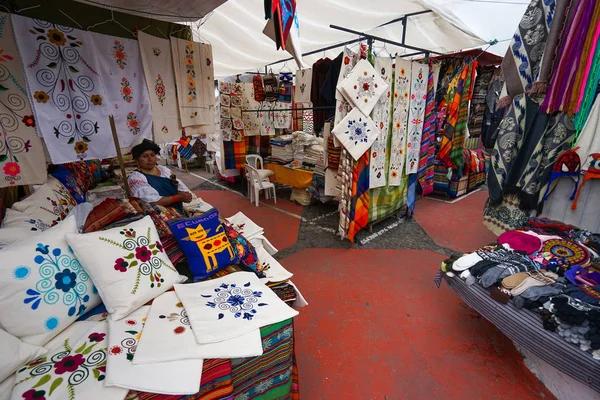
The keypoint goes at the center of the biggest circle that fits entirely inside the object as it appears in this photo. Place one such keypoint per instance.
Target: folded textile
(231, 306)
(245, 226)
(177, 377)
(167, 324)
(273, 270)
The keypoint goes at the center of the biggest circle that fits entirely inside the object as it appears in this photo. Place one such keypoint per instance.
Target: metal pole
(404, 23)
(334, 46)
(405, 16)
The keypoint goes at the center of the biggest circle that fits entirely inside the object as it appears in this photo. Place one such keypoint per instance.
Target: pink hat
(519, 241)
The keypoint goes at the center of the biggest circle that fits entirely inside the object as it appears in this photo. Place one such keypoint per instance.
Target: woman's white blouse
(141, 189)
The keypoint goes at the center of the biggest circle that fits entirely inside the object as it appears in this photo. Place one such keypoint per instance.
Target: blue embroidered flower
(236, 300)
(240, 301)
(65, 280)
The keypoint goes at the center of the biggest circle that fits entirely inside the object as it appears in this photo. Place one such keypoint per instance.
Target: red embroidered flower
(381, 125)
(121, 265)
(12, 169)
(160, 90)
(366, 86)
(68, 364)
(115, 350)
(412, 96)
(208, 62)
(28, 120)
(96, 337)
(346, 60)
(131, 322)
(126, 90)
(143, 254)
(179, 330)
(33, 394)
(134, 123)
(119, 54)
(374, 155)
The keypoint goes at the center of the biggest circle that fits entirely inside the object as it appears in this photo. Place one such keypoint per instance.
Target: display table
(297, 178)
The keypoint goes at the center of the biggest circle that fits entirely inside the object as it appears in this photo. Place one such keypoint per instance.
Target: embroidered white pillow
(231, 306)
(76, 369)
(45, 288)
(356, 132)
(17, 226)
(169, 337)
(363, 87)
(51, 203)
(15, 353)
(128, 265)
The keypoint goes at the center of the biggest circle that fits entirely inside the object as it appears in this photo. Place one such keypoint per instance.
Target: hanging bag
(259, 90)
(271, 87)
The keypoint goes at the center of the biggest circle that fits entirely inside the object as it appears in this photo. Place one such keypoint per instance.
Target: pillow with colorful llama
(204, 241)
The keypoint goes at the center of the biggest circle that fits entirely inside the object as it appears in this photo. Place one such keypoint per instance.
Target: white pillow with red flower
(51, 203)
(128, 265)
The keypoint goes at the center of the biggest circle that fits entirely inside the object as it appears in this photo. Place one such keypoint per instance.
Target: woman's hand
(186, 197)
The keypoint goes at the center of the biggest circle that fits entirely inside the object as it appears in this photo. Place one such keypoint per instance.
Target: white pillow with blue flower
(46, 288)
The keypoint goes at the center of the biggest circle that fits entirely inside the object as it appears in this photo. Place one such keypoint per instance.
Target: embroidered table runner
(22, 158)
(303, 85)
(418, 98)
(158, 70)
(381, 118)
(194, 78)
(66, 93)
(120, 69)
(399, 127)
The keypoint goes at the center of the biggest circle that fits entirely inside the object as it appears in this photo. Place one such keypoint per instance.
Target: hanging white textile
(399, 127)
(381, 118)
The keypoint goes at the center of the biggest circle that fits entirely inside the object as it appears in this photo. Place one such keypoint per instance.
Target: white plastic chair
(253, 160)
(256, 185)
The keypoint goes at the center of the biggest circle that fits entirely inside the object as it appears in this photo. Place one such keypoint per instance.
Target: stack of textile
(281, 150)
(545, 266)
(314, 156)
(301, 140)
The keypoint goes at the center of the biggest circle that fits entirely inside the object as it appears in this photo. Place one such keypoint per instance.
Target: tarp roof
(235, 28)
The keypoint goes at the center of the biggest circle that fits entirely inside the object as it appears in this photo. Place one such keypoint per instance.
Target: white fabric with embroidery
(251, 119)
(68, 97)
(303, 85)
(400, 122)
(175, 377)
(231, 306)
(121, 72)
(363, 87)
(160, 79)
(168, 324)
(416, 114)
(282, 119)
(381, 118)
(356, 132)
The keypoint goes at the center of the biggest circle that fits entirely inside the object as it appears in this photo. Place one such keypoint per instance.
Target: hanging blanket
(418, 100)
(458, 139)
(194, 77)
(505, 216)
(427, 154)
(453, 101)
(478, 104)
(67, 95)
(234, 154)
(120, 69)
(22, 157)
(359, 204)
(400, 125)
(381, 117)
(589, 95)
(521, 63)
(158, 70)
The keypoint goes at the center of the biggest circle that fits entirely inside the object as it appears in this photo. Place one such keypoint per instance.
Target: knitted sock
(534, 293)
(482, 266)
(491, 276)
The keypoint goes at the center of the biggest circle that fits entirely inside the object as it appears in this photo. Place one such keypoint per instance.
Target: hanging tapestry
(194, 77)
(402, 82)
(308, 121)
(231, 100)
(22, 157)
(363, 87)
(158, 70)
(425, 173)
(381, 118)
(356, 132)
(359, 203)
(458, 139)
(342, 106)
(66, 93)
(251, 119)
(234, 154)
(120, 69)
(478, 104)
(418, 99)
(521, 64)
(303, 85)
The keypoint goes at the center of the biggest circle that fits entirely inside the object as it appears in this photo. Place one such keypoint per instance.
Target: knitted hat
(519, 241)
(593, 172)
(567, 164)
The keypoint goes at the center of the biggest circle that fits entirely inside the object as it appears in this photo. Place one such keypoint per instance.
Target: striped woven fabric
(269, 376)
(185, 152)
(525, 328)
(458, 139)
(103, 214)
(359, 203)
(234, 154)
(425, 172)
(258, 145)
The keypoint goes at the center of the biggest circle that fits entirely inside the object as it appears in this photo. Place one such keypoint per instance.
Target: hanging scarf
(589, 93)
(381, 118)
(454, 96)
(418, 101)
(400, 121)
(359, 204)
(425, 172)
(458, 140)
(345, 171)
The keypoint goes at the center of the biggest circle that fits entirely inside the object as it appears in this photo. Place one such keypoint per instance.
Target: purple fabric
(519, 241)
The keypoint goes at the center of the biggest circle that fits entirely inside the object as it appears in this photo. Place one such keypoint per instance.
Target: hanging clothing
(69, 101)
(23, 161)
(303, 85)
(588, 142)
(320, 70)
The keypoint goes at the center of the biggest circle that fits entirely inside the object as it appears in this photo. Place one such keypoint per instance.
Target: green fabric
(87, 15)
(589, 95)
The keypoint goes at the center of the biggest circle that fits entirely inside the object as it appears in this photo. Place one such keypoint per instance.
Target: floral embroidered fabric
(381, 118)
(363, 87)
(356, 132)
(158, 71)
(22, 158)
(303, 85)
(400, 122)
(67, 94)
(176, 377)
(416, 114)
(232, 306)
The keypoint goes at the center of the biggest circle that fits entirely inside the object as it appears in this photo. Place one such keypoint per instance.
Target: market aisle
(457, 226)
(378, 328)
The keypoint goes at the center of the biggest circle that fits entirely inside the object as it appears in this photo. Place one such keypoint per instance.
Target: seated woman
(155, 183)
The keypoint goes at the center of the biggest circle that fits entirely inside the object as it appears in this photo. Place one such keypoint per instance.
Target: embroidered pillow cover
(51, 203)
(205, 243)
(45, 287)
(231, 306)
(271, 268)
(363, 87)
(17, 226)
(15, 353)
(356, 132)
(176, 377)
(128, 265)
(168, 336)
(74, 370)
(244, 251)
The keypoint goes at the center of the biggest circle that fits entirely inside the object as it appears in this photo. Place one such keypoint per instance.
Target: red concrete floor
(378, 328)
(457, 226)
(280, 227)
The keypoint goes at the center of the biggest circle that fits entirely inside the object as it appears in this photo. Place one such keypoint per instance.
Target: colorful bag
(205, 243)
(259, 90)
(271, 88)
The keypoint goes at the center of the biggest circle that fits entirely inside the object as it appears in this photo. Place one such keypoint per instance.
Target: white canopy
(235, 28)
(166, 10)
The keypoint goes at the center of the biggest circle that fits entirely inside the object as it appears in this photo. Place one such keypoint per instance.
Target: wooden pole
(119, 155)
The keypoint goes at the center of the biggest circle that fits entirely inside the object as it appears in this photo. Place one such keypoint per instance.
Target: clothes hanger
(66, 15)
(113, 20)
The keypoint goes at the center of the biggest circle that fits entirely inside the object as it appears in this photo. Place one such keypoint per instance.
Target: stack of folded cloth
(315, 155)
(301, 141)
(281, 150)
